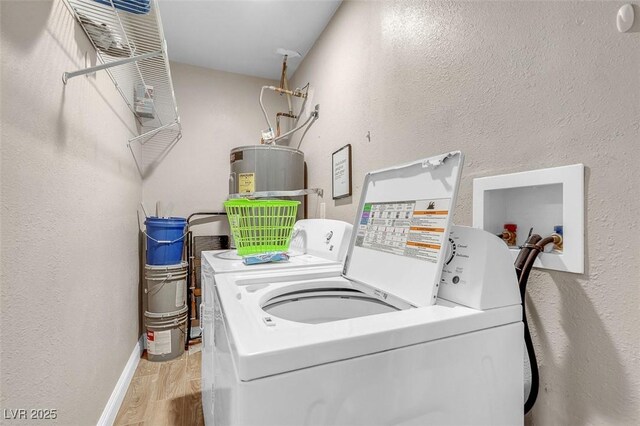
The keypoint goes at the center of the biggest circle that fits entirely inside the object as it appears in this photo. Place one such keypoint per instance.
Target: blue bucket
(165, 237)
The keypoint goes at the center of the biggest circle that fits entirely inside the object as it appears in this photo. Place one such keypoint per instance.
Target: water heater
(261, 168)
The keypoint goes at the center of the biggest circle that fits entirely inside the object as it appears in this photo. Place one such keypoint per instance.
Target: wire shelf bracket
(132, 50)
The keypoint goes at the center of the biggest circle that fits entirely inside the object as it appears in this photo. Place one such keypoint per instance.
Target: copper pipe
(282, 114)
(284, 71)
(286, 86)
(296, 93)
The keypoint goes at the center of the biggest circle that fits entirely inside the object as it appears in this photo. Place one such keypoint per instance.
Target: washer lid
(402, 223)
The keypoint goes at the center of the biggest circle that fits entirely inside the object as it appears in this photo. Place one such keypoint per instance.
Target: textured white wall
(516, 86)
(218, 111)
(68, 227)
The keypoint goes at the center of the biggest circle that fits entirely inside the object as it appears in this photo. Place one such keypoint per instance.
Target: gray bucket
(166, 287)
(165, 334)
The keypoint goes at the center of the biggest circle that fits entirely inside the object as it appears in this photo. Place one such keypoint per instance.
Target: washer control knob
(450, 251)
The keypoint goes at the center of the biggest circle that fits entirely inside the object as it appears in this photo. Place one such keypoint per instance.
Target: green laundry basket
(261, 226)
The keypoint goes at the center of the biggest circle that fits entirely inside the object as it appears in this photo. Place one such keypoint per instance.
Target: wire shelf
(132, 49)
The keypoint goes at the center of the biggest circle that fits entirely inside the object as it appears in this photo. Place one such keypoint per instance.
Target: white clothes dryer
(315, 243)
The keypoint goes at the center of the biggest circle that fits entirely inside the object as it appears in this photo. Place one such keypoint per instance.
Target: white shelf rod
(67, 75)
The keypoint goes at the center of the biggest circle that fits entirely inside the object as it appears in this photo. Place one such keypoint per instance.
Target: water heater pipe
(264, 111)
(282, 114)
(314, 116)
(284, 89)
(283, 76)
(286, 86)
(298, 93)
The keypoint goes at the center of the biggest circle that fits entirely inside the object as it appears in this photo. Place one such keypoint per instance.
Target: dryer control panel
(325, 238)
(478, 270)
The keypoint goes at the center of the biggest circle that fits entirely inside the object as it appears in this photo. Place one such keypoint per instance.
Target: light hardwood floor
(164, 393)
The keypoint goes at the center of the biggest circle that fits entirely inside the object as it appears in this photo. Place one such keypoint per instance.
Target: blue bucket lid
(165, 221)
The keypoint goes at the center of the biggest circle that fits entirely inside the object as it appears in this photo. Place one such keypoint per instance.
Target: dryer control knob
(329, 236)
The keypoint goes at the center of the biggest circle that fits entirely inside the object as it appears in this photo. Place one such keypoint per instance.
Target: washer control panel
(478, 270)
(456, 258)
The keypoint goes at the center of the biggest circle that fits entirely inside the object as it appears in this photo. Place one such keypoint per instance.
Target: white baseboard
(117, 396)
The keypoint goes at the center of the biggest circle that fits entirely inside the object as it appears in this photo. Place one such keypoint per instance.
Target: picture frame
(341, 173)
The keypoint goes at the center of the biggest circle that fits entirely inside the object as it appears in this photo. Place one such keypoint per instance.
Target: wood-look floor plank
(168, 412)
(182, 357)
(172, 379)
(147, 368)
(164, 393)
(135, 405)
(194, 362)
(193, 415)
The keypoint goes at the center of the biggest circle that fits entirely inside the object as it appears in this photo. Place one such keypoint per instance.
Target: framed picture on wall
(341, 172)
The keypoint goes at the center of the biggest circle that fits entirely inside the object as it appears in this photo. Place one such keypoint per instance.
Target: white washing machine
(316, 244)
(375, 345)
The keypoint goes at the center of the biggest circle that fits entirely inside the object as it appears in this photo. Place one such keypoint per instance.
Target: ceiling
(242, 36)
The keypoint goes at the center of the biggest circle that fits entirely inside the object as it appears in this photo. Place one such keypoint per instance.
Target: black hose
(205, 214)
(189, 266)
(523, 264)
(533, 364)
(521, 260)
(532, 253)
